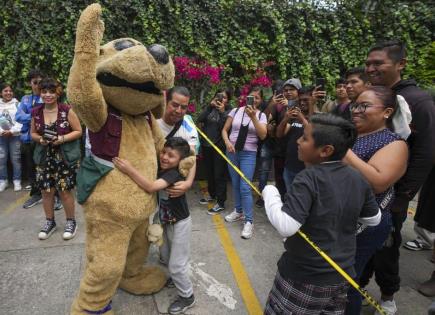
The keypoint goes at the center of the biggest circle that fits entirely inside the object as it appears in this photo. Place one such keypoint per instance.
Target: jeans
(289, 177)
(10, 146)
(265, 165)
(278, 165)
(242, 193)
(367, 243)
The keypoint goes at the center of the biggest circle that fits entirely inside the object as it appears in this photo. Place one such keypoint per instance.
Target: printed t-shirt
(171, 209)
(186, 131)
(292, 161)
(252, 138)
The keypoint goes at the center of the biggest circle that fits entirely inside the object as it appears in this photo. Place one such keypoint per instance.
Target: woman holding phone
(247, 124)
(211, 120)
(56, 130)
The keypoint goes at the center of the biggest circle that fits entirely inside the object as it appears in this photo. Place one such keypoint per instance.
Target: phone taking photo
(320, 84)
(250, 101)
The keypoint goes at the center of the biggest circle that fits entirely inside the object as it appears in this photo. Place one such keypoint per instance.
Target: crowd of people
(344, 171)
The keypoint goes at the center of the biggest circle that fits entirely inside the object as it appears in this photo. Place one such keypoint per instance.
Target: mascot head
(132, 77)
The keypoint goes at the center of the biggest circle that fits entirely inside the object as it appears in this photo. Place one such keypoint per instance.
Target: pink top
(252, 138)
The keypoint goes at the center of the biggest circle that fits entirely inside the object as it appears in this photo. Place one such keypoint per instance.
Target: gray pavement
(42, 277)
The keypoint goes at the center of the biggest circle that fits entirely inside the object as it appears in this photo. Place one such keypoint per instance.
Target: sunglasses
(362, 107)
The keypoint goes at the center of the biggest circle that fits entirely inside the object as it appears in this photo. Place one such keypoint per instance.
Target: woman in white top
(10, 145)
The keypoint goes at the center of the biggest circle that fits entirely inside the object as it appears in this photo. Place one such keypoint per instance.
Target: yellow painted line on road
(248, 294)
(16, 204)
(251, 301)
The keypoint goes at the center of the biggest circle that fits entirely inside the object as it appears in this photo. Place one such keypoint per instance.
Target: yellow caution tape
(343, 273)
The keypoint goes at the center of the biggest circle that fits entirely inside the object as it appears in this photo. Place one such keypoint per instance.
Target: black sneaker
(170, 283)
(181, 304)
(70, 229)
(47, 230)
(205, 201)
(57, 204)
(215, 210)
(259, 203)
(32, 201)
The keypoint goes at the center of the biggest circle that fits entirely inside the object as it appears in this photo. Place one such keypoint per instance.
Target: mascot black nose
(159, 53)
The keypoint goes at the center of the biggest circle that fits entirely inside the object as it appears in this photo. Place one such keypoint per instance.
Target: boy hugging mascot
(117, 91)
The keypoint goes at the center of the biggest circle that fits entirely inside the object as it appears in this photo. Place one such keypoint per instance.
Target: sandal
(415, 245)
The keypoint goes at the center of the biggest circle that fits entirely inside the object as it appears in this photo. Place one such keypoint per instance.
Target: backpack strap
(175, 129)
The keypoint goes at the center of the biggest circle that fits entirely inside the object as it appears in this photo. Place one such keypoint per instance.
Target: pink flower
(191, 108)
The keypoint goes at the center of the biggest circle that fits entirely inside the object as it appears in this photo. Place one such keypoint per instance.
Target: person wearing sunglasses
(381, 156)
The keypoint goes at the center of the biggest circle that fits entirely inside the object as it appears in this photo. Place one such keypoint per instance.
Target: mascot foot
(77, 310)
(151, 280)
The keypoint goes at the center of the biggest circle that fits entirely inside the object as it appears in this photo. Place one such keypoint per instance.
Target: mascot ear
(159, 110)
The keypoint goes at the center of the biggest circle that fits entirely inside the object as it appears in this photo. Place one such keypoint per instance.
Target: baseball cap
(293, 82)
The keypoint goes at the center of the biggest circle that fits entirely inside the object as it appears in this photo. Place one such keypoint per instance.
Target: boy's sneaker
(170, 283)
(259, 203)
(234, 216)
(17, 185)
(215, 210)
(32, 201)
(3, 185)
(57, 204)
(205, 201)
(181, 304)
(389, 307)
(70, 229)
(47, 230)
(248, 229)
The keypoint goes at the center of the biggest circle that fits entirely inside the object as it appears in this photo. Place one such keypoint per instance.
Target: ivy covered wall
(303, 38)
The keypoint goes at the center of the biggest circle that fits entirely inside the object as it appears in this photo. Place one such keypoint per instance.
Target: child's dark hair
(329, 129)
(34, 73)
(180, 145)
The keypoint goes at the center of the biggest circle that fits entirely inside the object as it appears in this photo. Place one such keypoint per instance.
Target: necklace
(50, 111)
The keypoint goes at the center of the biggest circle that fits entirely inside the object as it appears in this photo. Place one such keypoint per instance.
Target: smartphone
(320, 82)
(219, 97)
(291, 103)
(250, 100)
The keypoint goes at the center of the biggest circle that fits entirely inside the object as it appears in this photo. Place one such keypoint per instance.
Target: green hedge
(306, 40)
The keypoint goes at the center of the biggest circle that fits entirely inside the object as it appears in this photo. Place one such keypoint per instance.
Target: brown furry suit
(117, 211)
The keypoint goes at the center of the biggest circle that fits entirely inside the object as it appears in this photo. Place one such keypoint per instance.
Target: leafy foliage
(303, 38)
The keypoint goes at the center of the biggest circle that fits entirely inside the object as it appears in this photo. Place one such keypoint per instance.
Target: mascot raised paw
(116, 89)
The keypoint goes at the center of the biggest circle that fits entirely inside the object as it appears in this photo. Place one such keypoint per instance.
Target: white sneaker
(17, 185)
(248, 229)
(3, 185)
(389, 307)
(234, 216)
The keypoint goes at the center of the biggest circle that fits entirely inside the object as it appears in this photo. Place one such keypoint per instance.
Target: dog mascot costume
(116, 90)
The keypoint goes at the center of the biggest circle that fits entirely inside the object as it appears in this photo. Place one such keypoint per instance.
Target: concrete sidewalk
(42, 277)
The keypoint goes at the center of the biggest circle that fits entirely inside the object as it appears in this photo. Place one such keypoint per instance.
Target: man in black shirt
(326, 201)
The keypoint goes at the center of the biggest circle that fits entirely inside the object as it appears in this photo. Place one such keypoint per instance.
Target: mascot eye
(124, 44)
(159, 53)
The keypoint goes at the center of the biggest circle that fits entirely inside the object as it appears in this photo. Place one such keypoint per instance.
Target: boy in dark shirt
(174, 216)
(326, 200)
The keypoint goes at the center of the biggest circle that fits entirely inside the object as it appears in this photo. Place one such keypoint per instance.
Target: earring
(386, 117)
